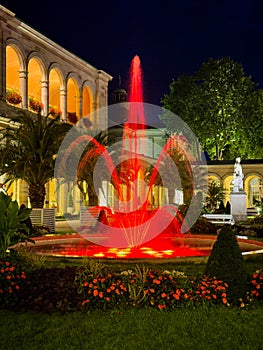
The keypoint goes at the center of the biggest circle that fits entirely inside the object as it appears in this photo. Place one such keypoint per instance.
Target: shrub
(49, 290)
(256, 285)
(165, 290)
(103, 292)
(35, 105)
(202, 225)
(210, 290)
(12, 226)
(13, 97)
(227, 264)
(11, 276)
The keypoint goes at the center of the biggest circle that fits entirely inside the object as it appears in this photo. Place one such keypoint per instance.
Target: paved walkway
(63, 226)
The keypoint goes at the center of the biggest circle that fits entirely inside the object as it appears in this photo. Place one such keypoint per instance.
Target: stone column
(23, 88)
(79, 107)
(44, 96)
(2, 67)
(63, 103)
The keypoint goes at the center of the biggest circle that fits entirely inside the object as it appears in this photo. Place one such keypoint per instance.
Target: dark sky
(171, 37)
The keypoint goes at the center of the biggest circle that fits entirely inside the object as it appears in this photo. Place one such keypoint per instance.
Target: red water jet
(134, 229)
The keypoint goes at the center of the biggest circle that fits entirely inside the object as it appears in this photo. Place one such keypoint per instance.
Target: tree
(215, 195)
(227, 264)
(175, 156)
(28, 148)
(212, 103)
(99, 140)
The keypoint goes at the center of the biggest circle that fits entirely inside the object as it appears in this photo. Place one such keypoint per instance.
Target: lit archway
(228, 187)
(13, 95)
(87, 102)
(12, 69)
(254, 190)
(55, 82)
(72, 101)
(34, 85)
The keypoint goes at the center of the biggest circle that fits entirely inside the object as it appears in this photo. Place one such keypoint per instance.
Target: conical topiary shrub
(226, 263)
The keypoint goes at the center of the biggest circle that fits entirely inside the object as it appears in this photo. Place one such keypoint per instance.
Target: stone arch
(73, 98)
(214, 176)
(56, 85)
(56, 66)
(36, 74)
(14, 64)
(227, 185)
(88, 101)
(16, 45)
(253, 186)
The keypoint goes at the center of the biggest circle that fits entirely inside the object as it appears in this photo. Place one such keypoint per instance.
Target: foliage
(256, 285)
(11, 275)
(166, 290)
(217, 103)
(227, 264)
(210, 290)
(13, 97)
(54, 111)
(178, 154)
(28, 260)
(49, 290)
(136, 290)
(90, 267)
(215, 194)
(70, 288)
(72, 117)
(12, 226)
(35, 105)
(28, 148)
(203, 226)
(39, 230)
(256, 220)
(95, 148)
(103, 292)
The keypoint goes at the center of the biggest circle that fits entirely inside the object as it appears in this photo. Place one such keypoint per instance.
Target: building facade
(38, 74)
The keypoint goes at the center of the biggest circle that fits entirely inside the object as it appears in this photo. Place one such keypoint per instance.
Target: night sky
(171, 37)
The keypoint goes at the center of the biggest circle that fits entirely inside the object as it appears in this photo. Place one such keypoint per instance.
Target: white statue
(238, 176)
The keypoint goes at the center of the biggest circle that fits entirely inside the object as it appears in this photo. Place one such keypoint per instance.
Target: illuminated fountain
(131, 227)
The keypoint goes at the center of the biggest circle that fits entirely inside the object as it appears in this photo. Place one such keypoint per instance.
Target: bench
(89, 217)
(220, 218)
(252, 211)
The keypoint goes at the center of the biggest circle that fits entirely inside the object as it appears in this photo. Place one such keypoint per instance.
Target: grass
(194, 328)
(192, 267)
(201, 327)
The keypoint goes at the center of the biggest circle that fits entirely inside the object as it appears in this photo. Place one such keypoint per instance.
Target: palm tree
(99, 140)
(28, 148)
(215, 194)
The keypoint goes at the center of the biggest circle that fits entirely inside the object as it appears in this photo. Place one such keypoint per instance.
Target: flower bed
(78, 288)
(13, 97)
(11, 276)
(35, 105)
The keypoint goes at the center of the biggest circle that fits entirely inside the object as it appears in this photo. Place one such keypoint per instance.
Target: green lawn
(201, 327)
(194, 328)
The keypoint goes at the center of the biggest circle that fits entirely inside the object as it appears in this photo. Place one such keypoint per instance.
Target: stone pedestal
(238, 205)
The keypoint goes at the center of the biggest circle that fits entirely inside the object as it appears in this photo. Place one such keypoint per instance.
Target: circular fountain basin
(75, 246)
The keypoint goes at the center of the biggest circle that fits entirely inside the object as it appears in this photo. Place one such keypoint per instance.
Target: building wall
(32, 64)
(44, 74)
(222, 171)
